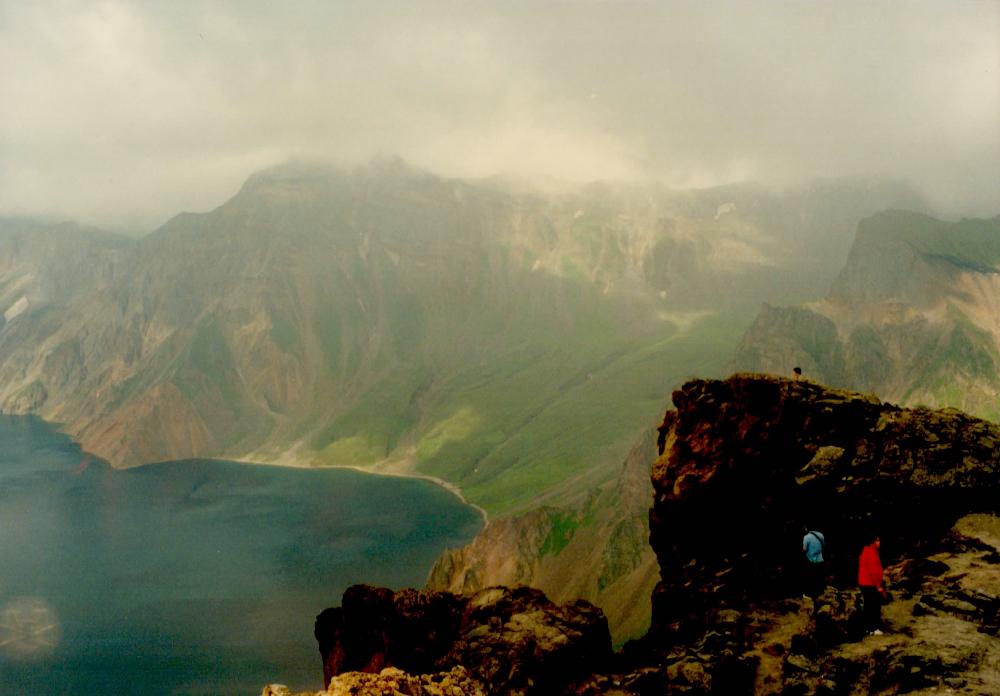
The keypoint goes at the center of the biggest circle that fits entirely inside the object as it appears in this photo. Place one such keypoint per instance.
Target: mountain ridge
(910, 316)
(219, 336)
(502, 341)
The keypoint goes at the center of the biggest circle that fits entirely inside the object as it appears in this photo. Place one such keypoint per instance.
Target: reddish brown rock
(752, 459)
(511, 640)
(747, 462)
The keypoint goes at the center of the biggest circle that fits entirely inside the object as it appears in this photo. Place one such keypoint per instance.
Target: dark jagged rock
(512, 640)
(752, 459)
(747, 462)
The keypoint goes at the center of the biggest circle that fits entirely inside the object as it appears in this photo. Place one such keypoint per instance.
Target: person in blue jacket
(813, 548)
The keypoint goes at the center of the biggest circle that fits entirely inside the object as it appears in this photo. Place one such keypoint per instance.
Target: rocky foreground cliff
(747, 462)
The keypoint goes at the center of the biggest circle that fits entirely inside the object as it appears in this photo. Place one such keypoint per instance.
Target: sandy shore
(399, 469)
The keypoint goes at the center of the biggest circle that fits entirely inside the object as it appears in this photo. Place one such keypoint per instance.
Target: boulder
(511, 640)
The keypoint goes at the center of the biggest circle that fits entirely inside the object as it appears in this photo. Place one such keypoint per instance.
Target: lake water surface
(195, 577)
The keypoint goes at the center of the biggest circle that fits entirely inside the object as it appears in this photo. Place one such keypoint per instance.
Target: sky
(122, 114)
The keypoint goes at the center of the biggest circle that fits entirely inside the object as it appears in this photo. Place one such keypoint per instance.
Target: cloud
(124, 113)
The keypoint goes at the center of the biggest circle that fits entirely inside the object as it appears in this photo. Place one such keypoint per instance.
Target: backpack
(821, 538)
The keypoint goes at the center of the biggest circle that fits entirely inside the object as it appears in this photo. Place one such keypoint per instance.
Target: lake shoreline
(446, 485)
(396, 468)
(219, 564)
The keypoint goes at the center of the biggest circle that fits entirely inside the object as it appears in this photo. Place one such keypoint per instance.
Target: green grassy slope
(969, 243)
(509, 343)
(911, 317)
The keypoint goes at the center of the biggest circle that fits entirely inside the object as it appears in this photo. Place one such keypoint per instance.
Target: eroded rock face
(752, 459)
(511, 641)
(596, 549)
(747, 462)
(912, 316)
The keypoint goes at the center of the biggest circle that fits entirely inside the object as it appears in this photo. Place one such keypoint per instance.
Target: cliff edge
(750, 461)
(747, 462)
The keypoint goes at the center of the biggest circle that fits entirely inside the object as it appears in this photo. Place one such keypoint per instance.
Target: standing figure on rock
(814, 566)
(872, 590)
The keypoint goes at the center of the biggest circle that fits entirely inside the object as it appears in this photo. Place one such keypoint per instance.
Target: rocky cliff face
(382, 314)
(597, 550)
(911, 317)
(751, 460)
(47, 265)
(510, 641)
(747, 462)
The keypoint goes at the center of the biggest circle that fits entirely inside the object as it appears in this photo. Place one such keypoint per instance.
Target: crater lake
(192, 577)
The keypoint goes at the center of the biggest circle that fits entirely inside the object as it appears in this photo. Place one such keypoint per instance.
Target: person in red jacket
(872, 589)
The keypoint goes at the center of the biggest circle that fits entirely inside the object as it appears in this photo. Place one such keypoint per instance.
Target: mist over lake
(196, 576)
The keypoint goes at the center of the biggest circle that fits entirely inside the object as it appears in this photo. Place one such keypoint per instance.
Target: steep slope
(385, 317)
(747, 462)
(382, 317)
(44, 268)
(750, 461)
(912, 317)
(597, 550)
(49, 264)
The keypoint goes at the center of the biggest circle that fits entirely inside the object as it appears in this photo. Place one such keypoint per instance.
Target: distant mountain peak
(301, 171)
(910, 317)
(395, 166)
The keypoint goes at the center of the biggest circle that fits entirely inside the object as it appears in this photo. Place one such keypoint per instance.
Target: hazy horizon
(123, 114)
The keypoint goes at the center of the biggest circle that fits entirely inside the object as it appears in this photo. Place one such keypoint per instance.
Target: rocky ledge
(746, 463)
(508, 640)
(751, 460)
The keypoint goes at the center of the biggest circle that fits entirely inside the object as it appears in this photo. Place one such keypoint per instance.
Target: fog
(121, 114)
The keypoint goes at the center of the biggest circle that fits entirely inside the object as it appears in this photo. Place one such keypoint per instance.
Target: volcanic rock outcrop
(751, 460)
(747, 463)
(512, 641)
